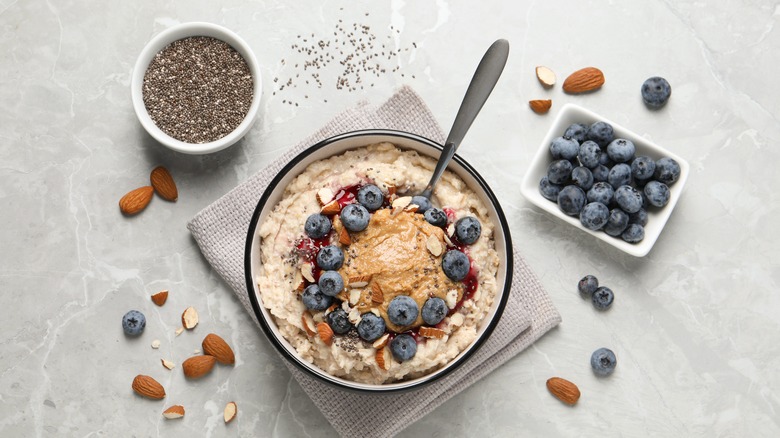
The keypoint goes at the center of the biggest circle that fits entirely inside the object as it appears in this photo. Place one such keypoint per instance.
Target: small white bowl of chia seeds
(196, 88)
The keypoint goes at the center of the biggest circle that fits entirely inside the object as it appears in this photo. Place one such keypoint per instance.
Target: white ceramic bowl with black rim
(335, 146)
(657, 217)
(161, 41)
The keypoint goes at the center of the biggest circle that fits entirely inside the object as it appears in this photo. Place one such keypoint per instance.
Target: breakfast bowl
(656, 216)
(164, 40)
(301, 332)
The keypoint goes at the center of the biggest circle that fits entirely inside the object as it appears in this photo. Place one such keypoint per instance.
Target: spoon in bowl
(485, 78)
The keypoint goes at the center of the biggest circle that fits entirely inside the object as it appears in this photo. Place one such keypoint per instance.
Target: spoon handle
(485, 78)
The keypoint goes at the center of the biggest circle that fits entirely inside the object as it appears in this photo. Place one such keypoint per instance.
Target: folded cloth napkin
(220, 230)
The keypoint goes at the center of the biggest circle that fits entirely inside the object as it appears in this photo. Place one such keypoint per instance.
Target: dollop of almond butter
(393, 252)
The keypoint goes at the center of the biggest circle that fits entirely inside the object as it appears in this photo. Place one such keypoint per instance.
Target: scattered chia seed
(198, 89)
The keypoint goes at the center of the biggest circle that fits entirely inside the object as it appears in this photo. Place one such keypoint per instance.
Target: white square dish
(657, 217)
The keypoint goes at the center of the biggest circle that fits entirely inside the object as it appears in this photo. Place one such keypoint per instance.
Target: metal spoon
(485, 78)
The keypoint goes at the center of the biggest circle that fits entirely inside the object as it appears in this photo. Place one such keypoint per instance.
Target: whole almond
(584, 80)
(148, 387)
(136, 200)
(215, 346)
(231, 409)
(540, 106)
(174, 412)
(198, 366)
(563, 390)
(160, 297)
(189, 318)
(546, 76)
(163, 184)
(325, 332)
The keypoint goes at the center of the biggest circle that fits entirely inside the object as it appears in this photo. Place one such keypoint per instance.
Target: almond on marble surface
(136, 200)
(179, 331)
(231, 409)
(189, 318)
(148, 387)
(163, 184)
(174, 412)
(213, 345)
(198, 366)
(540, 106)
(160, 297)
(545, 76)
(563, 390)
(167, 364)
(584, 80)
(156, 344)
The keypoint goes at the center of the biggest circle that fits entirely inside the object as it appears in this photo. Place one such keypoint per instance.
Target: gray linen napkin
(220, 230)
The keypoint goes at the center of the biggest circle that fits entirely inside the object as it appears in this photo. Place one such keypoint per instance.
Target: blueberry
(422, 203)
(434, 310)
(619, 175)
(402, 310)
(605, 161)
(602, 133)
(581, 176)
(371, 327)
(667, 170)
(314, 299)
(602, 298)
(355, 217)
(617, 222)
(600, 173)
(590, 153)
(331, 283)
(468, 229)
(655, 92)
(657, 193)
(436, 217)
(603, 361)
(621, 150)
(403, 347)
(601, 192)
(371, 197)
(133, 323)
(338, 321)
(594, 215)
(642, 167)
(559, 171)
(634, 233)
(455, 265)
(549, 190)
(571, 200)
(564, 148)
(628, 199)
(317, 226)
(587, 285)
(640, 217)
(577, 131)
(330, 258)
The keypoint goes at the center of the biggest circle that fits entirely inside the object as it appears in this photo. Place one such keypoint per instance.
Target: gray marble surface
(695, 324)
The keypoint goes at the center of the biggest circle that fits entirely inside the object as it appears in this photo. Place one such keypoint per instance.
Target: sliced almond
(456, 320)
(412, 208)
(167, 364)
(359, 281)
(325, 332)
(546, 76)
(174, 412)
(231, 409)
(308, 323)
(354, 296)
(324, 195)
(344, 238)
(179, 331)
(156, 344)
(451, 230)
(402, 202)
(298, 282)
(377, 296)
(391, 190)
(375, 311)
(160, 297)
(382, 341)
(354, 316)
(332, 307)
(447, 240)
(434, 245)
(307, 271)
(381, 358)
(330, 208)
(189, 318)
(452, 298)
(432, 332)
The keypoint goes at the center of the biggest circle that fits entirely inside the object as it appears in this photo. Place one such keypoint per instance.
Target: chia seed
(198, 89)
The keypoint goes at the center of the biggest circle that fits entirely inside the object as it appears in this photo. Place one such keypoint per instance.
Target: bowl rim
(175, 33)
(376, 389)
(529, 186)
